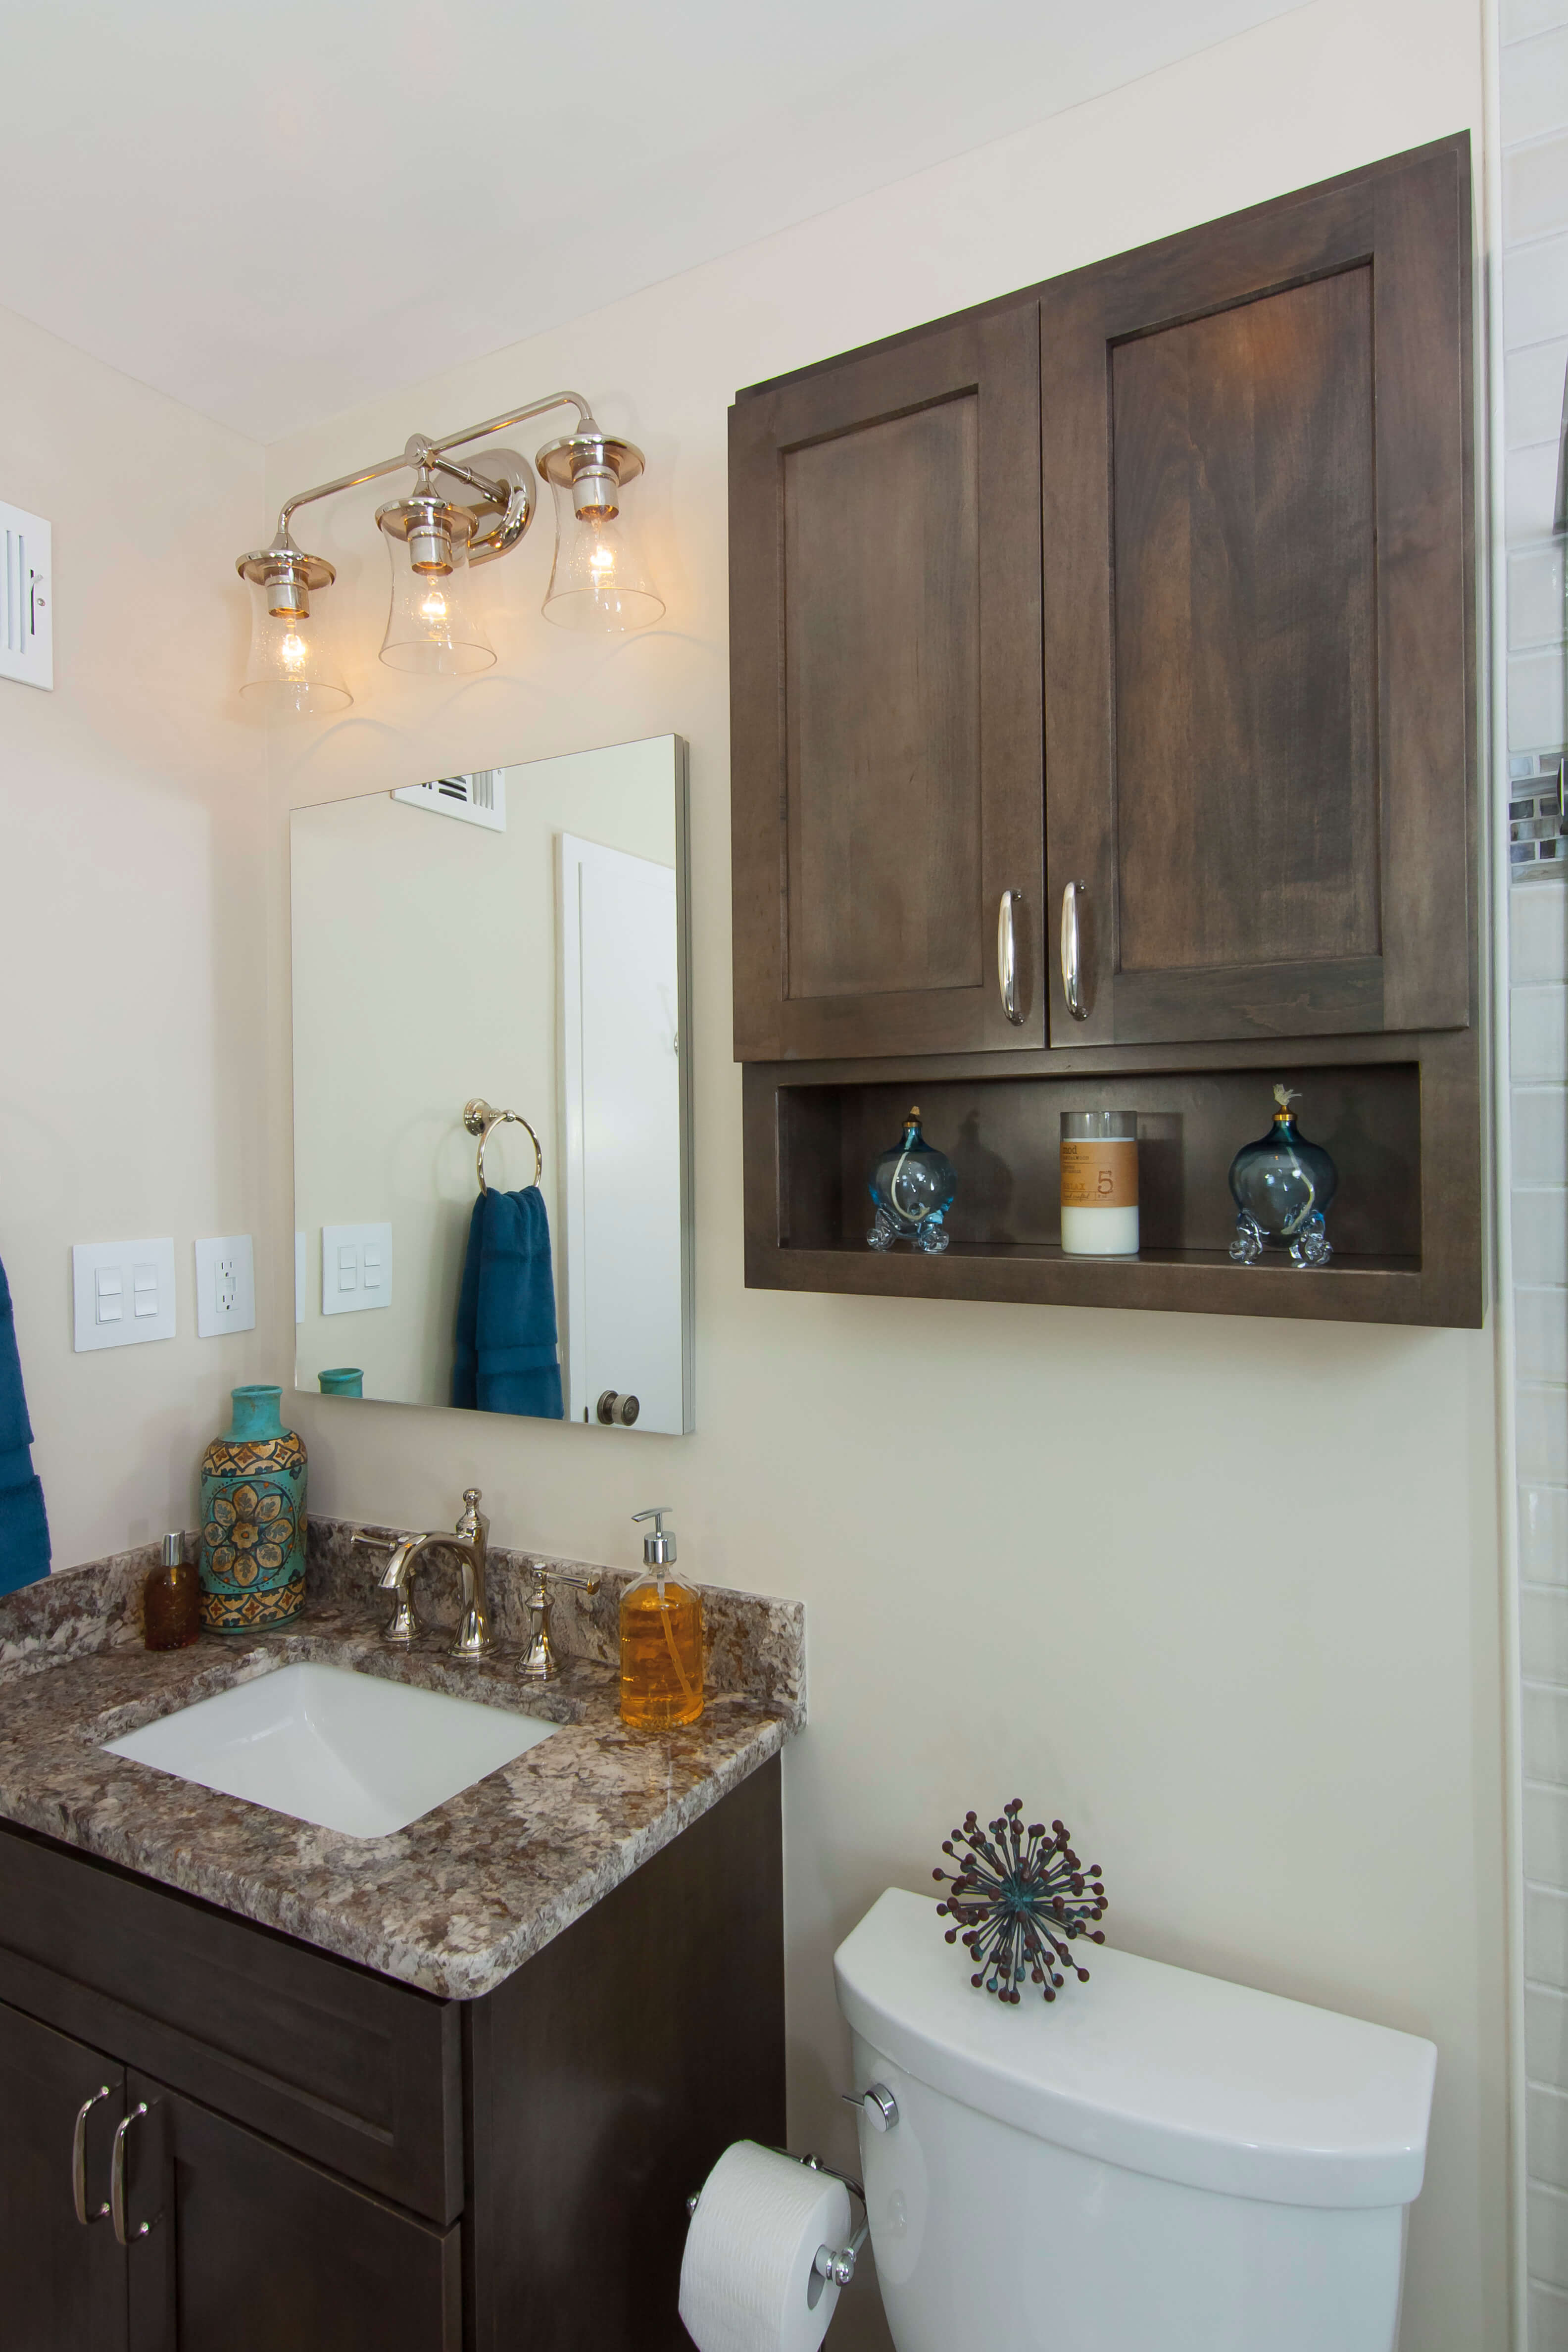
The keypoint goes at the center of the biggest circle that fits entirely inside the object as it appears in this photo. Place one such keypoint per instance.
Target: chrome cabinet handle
(1007, 956)
(1072, 971)
(117, 2179)
(79, 2159)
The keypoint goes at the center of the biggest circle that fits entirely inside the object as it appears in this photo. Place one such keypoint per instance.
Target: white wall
(1223, 1593)
(134, 1066)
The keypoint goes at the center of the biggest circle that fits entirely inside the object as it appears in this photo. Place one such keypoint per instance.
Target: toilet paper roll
(748, 2281)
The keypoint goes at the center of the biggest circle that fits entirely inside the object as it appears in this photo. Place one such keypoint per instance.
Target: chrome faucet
(470, 1541)
(540, 1663)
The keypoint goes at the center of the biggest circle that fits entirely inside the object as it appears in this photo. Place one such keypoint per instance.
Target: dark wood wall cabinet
(217, 2140)
(1104, 735)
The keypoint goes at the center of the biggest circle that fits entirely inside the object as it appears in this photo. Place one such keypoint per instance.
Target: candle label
(1099, 1175)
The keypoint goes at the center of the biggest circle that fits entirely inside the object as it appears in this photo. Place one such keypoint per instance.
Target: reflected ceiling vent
(478, 798)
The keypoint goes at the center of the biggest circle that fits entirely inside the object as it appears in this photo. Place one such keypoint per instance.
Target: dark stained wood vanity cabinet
(1125, 627)
(323, 2157)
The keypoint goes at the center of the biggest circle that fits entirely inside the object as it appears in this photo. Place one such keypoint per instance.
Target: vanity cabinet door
(1260, 648)
(62, 2284)
(253, 2250)
(885, 696)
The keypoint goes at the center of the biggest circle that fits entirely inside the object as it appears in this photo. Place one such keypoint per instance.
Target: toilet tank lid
(1187, 2077)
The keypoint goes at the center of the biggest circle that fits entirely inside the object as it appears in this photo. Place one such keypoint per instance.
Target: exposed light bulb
(602, 563)
(433, 606)
(294, 651)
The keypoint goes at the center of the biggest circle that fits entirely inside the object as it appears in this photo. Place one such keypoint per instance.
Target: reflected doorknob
(618, 1412)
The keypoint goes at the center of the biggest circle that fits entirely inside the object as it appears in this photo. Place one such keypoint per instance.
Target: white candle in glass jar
(1099, 1184)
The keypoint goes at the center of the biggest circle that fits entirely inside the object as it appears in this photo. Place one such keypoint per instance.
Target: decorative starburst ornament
(1020, 1897)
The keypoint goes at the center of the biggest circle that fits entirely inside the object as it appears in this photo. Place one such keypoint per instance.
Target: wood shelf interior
(1003, 1135)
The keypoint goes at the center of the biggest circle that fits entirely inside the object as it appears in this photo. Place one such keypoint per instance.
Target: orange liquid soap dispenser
(661, 1638)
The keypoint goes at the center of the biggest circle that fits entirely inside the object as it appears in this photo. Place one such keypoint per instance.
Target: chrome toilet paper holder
(835, 2264)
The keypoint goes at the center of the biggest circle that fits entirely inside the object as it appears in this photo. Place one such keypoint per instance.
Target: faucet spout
(469, 1542)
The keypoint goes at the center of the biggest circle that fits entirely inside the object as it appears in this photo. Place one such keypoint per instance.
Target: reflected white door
(621, 1132)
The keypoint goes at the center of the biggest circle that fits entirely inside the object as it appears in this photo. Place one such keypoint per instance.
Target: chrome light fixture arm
(420, 450)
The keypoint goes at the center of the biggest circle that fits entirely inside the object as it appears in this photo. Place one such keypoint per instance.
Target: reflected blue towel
(24, 1528)
(506, 1359)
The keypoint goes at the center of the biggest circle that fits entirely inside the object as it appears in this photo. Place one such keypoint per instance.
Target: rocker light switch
(123, 1293)
(356, 1268)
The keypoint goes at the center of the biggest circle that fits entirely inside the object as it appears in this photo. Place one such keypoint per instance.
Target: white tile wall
(1535, 598)
(1529, 483)
(1533, 82)
(1536, 285)
(1539, 1239)
(1539, 1018)
(1535, 190)
(1543, 1535)
(1534, 702)
(1538, 936)
(1548, 2319)
(1540, 1112)
(1534, 85)
(1546, 1962)
(1523, 18)
(1543, 1632)
(1532, 393)
(1541, 1334)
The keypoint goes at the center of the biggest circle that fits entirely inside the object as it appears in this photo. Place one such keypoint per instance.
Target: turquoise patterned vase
(253, 1519)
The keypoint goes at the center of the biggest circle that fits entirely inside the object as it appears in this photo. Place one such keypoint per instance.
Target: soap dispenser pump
(661, 1637)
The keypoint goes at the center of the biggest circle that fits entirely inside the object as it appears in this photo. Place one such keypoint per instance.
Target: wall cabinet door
(885, 585)
(62, 2283)
(1258, 620)
(251, 2248)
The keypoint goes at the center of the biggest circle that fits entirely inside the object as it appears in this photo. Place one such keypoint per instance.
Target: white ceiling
(272, 213)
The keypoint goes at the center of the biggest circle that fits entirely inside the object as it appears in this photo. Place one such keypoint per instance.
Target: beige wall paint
(1222, 1594)
(133, 1072)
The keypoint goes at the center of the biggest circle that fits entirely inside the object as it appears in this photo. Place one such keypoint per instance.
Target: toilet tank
(1156, 2162)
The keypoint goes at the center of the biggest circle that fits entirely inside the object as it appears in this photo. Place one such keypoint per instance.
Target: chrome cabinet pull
(117, 2181)
(1072, 971)
(79, 2159)
(1007, 956)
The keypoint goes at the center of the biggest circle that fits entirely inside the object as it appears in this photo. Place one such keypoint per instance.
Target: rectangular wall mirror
(512, 940)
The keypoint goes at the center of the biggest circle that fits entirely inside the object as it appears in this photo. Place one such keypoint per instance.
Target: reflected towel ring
(479, 1116)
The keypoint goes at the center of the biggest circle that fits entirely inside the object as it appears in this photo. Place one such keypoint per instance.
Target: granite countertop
(462, 1897)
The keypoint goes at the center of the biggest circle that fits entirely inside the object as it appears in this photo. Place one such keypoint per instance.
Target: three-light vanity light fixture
(599, 579)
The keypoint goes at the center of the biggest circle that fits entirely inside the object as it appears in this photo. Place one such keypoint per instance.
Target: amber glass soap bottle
(661, 1638)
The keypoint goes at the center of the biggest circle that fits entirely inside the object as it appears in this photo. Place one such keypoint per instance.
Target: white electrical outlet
(123, 1293)
(356, 1268)
(225, 1285)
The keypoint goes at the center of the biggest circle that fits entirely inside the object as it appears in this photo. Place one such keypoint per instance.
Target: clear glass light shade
(600, 580)
(290, 673)
(432, 627)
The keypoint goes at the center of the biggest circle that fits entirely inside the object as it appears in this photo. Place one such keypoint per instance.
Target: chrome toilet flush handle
(877, 2104)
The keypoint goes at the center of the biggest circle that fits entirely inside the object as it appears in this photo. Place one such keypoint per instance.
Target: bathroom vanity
(442, 2090)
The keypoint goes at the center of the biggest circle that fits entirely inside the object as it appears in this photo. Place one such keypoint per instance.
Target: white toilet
(1154, 2162)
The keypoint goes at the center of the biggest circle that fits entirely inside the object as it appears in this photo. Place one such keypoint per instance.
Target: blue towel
(24, 1528)
(506, 1359)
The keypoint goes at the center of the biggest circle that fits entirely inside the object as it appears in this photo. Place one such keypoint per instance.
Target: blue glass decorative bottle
(1282, 1186)
(912, 1185)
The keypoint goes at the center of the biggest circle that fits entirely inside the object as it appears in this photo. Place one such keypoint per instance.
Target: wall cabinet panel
(1194, 695)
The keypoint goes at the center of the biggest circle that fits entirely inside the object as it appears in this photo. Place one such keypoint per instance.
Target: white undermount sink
(350, 1752)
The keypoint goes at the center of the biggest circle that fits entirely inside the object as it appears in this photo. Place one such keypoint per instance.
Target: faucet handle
(564, 1576)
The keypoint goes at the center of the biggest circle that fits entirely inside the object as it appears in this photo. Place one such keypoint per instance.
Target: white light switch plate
(123, 1293)
(225, 1285)
(356, 1268)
